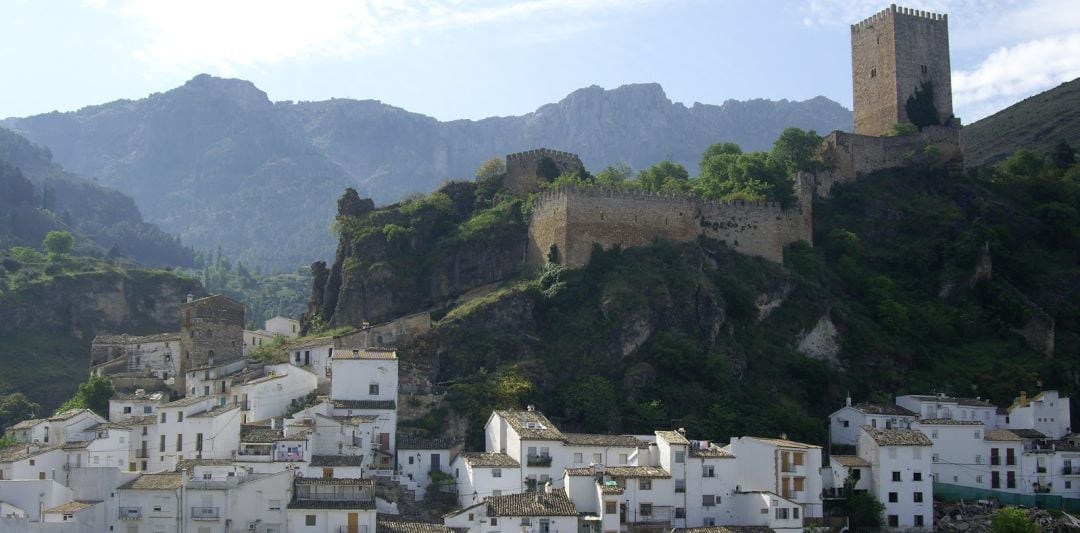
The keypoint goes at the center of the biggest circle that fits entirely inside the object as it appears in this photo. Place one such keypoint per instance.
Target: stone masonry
(521, 168)
(211, 332)
(892, 53)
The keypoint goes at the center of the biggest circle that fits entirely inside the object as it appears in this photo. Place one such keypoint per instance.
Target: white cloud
(1012, 73)
(183, 35)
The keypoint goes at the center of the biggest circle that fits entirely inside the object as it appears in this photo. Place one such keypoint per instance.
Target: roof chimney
(190, 297)
(849, 399)
(530, 408)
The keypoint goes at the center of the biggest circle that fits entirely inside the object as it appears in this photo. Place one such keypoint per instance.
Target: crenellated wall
(847, 156)
(573, 220)
(521, 167)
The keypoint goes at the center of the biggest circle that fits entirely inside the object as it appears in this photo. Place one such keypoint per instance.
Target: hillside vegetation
(1037, 123)
(932, 282)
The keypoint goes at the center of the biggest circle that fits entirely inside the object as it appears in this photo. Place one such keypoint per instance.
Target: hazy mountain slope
(104, 216)
(1037, 123)
(218, 163)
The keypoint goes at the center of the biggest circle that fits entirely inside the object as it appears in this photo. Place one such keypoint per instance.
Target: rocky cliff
(219, 163)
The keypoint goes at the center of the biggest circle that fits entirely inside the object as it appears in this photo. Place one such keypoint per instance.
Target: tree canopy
(58, 243)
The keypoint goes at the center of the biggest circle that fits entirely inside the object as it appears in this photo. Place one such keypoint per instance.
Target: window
(924, 69)
(680, 512)
(526, 521)
(978, 479)
(708, 500)
(33, 462)
(198, 442)
(995, 480)
(206, 390)
(645, 509)
(579, 458)
(856, 473)
(892, 453)
(1010, 479)
(933, 434)
(708, 471)
(935, 458)
(1068, 484)
(644, 484)
(978, 434)
(918, 520)
(147, 409)
(894, 497)
(710, 521)
(127, 409)
(597, 458)
(179, 442)
(894, 521)
(916, 476)
(978, 459)
(180, 416)
(781, 513)
(918, 497)
(846, 423)
(157, 508)
(873, 73)
(623, 459)
(161, 448)
(496, 472)
(795, 513)
(610, 508)
(896, 476)
(373, 389)
(309, 520)
(494, 521)
(680, 457)
(162, 418)
(680, 485)
(411, 458)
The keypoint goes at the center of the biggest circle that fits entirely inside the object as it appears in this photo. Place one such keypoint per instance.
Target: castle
(894, 53)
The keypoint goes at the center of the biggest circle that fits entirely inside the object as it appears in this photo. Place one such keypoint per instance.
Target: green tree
(614, 176)
(58, 244)
(1062, 156)
(797, 150)
(15, 408)
(864, 510)
(1012, 520)
(491, 169)
(1024, 164)
(93, 394)
(547, 169)
(920, 107)
(665, 176)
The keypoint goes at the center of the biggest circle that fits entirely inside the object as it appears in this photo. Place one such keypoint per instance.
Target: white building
(280, 325)
(124, 405)
(420, 460)
(942, 406)
(77, 516)
(33, 431)
(314, 354)
(321, 505)
(542, 511)
(483, 474)
(1048, 413)
(784, 467)
(254, 339)
(900, 461)
(846, 423)
(843, 470)
(271, 394)
(365, 383)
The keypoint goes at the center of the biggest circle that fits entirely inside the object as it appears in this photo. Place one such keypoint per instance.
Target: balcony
(130, 513)
(657, 515)
(204, 513)
(1010, 461)
(995, 460)
(1071, 470)
(1040, 469)
(142, 454)
(538, 460)
(286, 457)
(1042, 489)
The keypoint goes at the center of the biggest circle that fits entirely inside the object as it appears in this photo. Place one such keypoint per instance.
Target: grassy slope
(1036, 123)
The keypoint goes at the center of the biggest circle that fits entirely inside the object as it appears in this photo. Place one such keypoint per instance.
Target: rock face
(217, 162)
(821, 342)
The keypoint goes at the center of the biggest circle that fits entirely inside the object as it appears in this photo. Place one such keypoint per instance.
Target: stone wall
(211, 331)
(847, 156)
(892, 53)
(385, 335)
(521, 167)
(573, 220)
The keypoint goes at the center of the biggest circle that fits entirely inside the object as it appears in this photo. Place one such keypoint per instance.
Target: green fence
(951, 493)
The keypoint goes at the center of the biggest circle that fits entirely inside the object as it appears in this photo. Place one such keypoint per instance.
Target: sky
(455, 59)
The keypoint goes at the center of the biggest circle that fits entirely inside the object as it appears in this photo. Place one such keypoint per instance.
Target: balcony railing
(204, 513)
(1071, 470)
(130, 513)
(142, 454)
(1041, 489)
(538, 460)
(1040, 469)
(659, 514)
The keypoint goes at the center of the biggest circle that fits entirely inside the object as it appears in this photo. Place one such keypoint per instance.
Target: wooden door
(354, 523)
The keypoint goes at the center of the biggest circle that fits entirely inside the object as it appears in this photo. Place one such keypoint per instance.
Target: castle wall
(892, 53)
(848, 155)
(521, 168)
(211, 327)
(575, 220)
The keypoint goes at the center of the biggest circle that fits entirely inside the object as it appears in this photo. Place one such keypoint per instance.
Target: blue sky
(456, 59)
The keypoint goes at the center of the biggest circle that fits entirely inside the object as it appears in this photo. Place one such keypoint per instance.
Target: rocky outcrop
(822, 342)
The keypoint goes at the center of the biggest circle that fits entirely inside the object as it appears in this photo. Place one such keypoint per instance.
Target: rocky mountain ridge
(219, 163)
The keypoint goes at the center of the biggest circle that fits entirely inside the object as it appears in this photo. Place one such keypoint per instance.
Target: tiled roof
(337, 460)
(948, 422)
(73, 506)
(363, 482)
(673, 437)
(595, 439)
(712, 452)
(68, 415)
(637, 472)
(970, 402)
(23, 451)
(27, 424)
(154, 396)
(76, 444)
(849, 460)
(367, 353)
(310, 343)
(190, 464)
(365, 404)
(898, 437)
(260, 434)
(723, 529)
(385, 525)
(784, 443)
(188, 400)
(331, 504)
(354, 420)
(421, 443)
(530, 504)
(1028, 433)
(1001, 435)
(611, 489)
(210, 413)
(882, 409)
(166, 481)
(488, 459)
(541, 428)
(579, 472)
(136, 339)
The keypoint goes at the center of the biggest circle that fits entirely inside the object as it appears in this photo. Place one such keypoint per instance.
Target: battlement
(559, 194)
(537, 153)
(521, 167)
(894, 10)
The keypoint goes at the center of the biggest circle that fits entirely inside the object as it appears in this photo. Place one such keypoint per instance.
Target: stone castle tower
(892, 54)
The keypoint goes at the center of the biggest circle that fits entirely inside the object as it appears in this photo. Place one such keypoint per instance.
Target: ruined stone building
(211, 333)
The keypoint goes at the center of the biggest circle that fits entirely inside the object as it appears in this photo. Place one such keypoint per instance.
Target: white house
(530, 438)
(32, 461)
(960, 455)
(901, 465)
(418, 459)
(222, 497)
(274, 392)
(255, 338)
(320, 505)
(844, 469)
(127, 405)
(1047, 412)
(365, 382)
(483, 474)
(784, 467)
(542, 511)
(151, 502)
(69, 424)
(280, 325)
(943, 406)
(314, 354)
(77, 515)
(33, 431)
(846, 423)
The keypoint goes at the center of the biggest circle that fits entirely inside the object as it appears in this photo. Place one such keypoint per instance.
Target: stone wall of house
(521, 167)
(892, 53)
(573, 220)
(211, 331)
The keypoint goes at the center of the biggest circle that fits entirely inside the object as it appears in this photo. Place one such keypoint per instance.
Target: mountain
(42, 196)
(1036, 123)
(221, 165)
